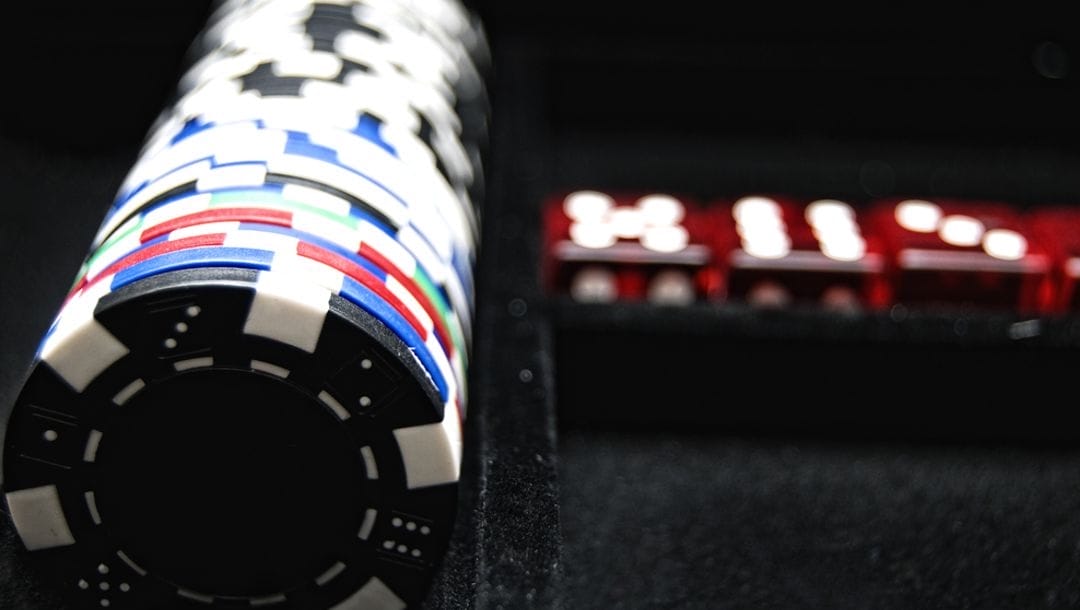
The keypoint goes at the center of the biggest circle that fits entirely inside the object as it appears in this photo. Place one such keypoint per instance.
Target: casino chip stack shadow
(253, 395)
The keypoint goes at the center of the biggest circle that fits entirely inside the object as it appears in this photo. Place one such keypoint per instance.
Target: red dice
(1057, 230)
(601, 247)
(961, 253)
(778, 251)
(781, 250)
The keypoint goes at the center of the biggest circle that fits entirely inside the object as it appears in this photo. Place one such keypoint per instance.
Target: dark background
(709, 456)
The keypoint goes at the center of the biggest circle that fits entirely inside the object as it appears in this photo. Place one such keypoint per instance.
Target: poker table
(712, 453)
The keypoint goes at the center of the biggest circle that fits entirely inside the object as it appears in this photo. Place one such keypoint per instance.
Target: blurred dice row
(781, 251)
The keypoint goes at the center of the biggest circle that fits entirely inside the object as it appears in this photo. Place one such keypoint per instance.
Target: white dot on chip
(170, 343)
(181, 327)
(410, 526)
(389, 544)
(425, 530)
(396, 521)
(102, 568)
(50, 435)
(365, 364)
(193, 310)
(365, 401)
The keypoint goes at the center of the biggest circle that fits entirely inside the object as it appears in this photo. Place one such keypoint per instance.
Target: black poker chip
(196, 462)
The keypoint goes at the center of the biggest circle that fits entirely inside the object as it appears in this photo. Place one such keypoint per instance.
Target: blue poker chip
(326, 104)
(241, 258)
(405, 248)
(438, 267)
(292, 154)
(220, 144)
(263, 259)
(208, 173)
(203, 176)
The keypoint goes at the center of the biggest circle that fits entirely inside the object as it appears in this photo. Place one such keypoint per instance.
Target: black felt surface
(712, 521)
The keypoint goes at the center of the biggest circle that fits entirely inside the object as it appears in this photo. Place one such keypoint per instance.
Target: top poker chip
(219, 436)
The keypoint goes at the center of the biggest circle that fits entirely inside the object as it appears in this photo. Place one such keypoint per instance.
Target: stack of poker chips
(253, 394)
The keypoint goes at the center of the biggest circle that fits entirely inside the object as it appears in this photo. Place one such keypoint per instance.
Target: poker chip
(373, 196)
(315, 105)
(202, 450)
(421, 44)
(261, 246)
(110, 257)
(372, 35)
(247, 97)
(253, 393)
(398, 184)
(302, 206)
(256, 250)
